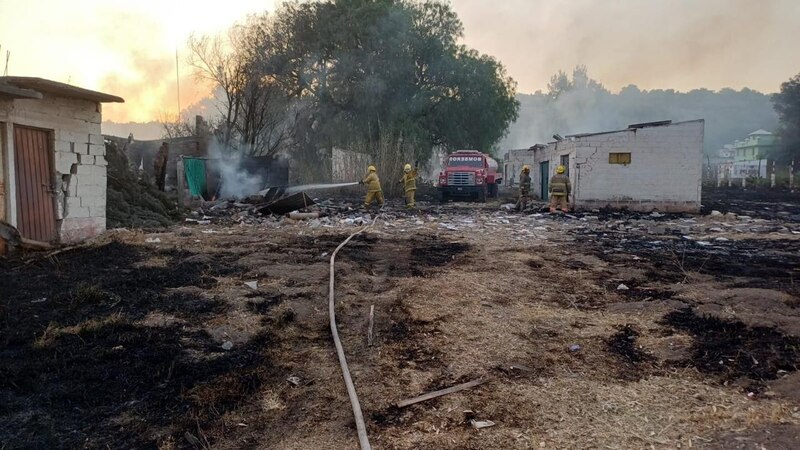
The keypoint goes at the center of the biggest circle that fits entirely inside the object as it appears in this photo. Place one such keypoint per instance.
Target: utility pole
(178, 84)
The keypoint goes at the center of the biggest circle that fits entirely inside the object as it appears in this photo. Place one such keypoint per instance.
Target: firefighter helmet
(371, 169)
(561, 169)
(407, 168)
(526, 168)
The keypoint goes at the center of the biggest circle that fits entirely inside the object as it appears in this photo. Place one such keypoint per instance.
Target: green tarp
(195, 170)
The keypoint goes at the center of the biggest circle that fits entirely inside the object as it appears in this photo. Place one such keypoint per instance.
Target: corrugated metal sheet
(36, 218)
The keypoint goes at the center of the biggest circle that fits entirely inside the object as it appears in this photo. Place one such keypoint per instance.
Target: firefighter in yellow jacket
(374, 192)
(560, 189)
(524, 188)
(409, 182)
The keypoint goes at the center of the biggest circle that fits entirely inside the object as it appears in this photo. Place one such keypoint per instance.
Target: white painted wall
(79, 160)
(665, 172)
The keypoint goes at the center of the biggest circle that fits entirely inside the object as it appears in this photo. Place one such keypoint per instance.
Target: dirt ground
(594, 330)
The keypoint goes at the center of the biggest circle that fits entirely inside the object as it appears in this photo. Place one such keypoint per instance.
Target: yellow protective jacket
(372, 182)
(560, 186)
(409, 180)
(524, 182)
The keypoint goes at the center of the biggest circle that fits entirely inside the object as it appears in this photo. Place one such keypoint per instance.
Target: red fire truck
(469, 173)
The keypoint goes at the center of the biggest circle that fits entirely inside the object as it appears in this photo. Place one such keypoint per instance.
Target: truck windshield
(470, 161)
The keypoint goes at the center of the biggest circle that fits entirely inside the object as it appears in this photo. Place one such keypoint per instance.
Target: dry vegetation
(121, 344)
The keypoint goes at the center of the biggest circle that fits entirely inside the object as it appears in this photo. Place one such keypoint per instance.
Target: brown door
(36, 215)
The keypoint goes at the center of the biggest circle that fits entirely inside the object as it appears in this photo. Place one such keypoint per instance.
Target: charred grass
(729, 349)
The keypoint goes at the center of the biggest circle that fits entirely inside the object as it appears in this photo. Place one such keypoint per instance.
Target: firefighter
(160, 165)
(374, 192)
(524, 188)
(409, 182)
(560, 189)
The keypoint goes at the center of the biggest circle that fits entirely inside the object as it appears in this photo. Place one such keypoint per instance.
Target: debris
(252, 284)
(656, 214)
(478, 424)
(153, 240)
(575, 348)
(227, 345)
(623, 287)
(371, 323)
(507, 206)
(303, 216)
(199, 222)
(39, 300)
(715, 213)
(287, 204)
(294, 380)
(439, 393)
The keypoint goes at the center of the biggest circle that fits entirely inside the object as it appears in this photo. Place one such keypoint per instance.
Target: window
(619, 158)
(565, 162)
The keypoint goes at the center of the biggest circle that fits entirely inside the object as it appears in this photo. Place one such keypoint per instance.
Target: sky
(128, 48)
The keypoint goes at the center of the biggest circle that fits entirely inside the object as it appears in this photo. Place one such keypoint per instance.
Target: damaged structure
(52, 166)
(645, 167)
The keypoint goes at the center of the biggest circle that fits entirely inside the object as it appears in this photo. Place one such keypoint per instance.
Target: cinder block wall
(79, 160)
(665, 172)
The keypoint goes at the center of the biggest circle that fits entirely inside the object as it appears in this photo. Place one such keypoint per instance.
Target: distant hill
(729, 114)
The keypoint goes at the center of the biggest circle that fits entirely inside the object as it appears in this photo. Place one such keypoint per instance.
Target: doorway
(33, 164)
(544, 175)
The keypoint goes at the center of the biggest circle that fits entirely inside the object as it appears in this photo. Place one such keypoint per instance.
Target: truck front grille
(461, 179)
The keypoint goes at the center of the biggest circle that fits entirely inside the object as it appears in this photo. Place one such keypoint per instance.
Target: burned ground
(137, 344)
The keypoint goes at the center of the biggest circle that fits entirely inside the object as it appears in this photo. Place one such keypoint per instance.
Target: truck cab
(469, 173)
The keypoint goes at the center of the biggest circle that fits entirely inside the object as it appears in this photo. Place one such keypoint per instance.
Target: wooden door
(33, 162)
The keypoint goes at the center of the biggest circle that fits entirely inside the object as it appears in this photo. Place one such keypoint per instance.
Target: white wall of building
(79, 161)
(665, 172)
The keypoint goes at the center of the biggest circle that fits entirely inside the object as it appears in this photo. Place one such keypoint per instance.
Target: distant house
(645, 167)
(52, 159)
(751, 153)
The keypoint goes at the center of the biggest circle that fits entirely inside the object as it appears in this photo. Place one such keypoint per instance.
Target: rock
(153, 240)
(715, 213)
(251, 284)
(478, 424)
(227, 345)
(623, 287)
(575, 348)
(744, 217)
(657, 214)
(716, 230)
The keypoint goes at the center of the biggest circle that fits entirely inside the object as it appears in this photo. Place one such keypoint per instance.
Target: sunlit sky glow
(127, 48)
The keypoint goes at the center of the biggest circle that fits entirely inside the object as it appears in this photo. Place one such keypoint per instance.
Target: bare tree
(254, 108)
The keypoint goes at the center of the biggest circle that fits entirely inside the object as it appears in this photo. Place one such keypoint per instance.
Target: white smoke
(235, 181)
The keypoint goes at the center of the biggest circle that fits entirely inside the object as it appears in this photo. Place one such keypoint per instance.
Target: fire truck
(469, 173)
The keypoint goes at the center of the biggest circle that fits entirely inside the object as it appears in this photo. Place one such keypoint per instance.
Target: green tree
(372, 69)
(787, 105)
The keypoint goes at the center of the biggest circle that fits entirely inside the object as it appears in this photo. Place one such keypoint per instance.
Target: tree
(787, 105)
(377, 68)
(254, 108)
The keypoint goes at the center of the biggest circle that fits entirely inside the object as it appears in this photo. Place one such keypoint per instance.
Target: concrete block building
(645, 167)
(52, 159)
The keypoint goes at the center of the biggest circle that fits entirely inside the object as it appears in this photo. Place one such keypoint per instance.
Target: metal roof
(39, 85)
(760, 132)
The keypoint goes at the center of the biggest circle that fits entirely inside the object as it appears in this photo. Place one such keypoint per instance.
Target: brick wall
(79, 160)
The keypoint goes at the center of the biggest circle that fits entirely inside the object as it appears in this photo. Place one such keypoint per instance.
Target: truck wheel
(482, 196)
(443, 197)
(492, 191)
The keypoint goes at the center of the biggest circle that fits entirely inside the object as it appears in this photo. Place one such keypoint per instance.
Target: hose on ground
(361, 427)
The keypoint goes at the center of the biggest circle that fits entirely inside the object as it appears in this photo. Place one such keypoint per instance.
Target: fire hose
(361, 427)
